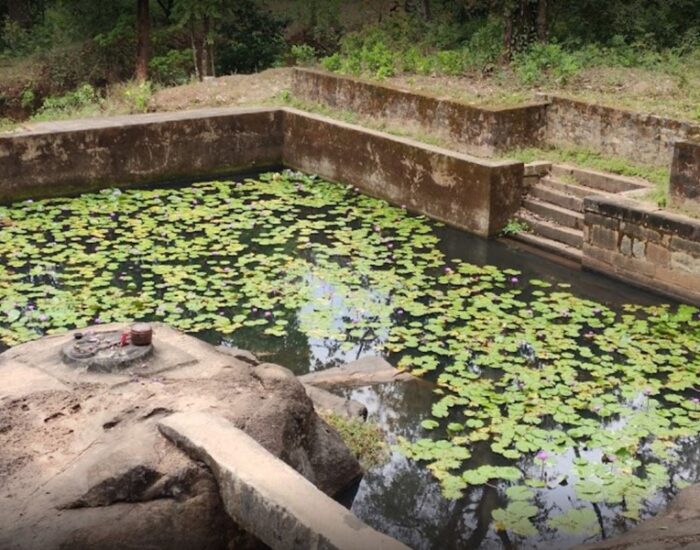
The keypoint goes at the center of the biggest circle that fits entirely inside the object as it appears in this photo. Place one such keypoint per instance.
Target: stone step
(554, 192)
(610, 183)
(555, 248)
(562, 216)
(551, 230)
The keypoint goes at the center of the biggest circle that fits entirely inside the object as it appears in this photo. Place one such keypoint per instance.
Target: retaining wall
(652, 248)
(468, 128)
(684, 189)
(472, 194)
(640, 137)
(75, 156)
(71, 157)
(551, 121)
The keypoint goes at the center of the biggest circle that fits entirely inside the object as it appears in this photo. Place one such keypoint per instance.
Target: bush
(545, 62)
(303, 54)
(83, 101)
(250, 40)
(138, 96)
(173, 68)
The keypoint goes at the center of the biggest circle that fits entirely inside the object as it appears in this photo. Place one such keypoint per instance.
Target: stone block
(626, 245)
(638, 248)
(685, 176)
(658, 254)
(601, 237)
(264, 495)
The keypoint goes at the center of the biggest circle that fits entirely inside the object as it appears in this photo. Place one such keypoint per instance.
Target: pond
(555, 407)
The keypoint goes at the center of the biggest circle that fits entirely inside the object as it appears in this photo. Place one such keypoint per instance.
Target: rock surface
(83, 465)
(674, 529)
(327, 402)
(363, 372)
(270, 499)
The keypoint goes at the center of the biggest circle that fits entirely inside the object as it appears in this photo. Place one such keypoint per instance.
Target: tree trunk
(525, 21)
(205, 48)
(542, 21)
(143, 40)
(427, 10)
(20, 12)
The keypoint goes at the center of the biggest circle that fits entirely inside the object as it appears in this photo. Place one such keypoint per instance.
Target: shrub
(303, 54)
(250, 40)
(83, 101)
(544, 62)
(175, 67)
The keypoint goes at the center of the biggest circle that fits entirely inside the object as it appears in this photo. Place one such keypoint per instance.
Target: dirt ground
(636, 89)
(225, 91)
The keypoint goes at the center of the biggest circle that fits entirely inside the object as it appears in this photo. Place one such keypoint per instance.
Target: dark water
(402, 497)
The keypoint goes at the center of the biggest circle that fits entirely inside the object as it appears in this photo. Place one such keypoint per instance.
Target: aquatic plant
(523, 368)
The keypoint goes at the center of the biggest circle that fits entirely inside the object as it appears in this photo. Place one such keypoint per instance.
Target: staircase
(552, 211)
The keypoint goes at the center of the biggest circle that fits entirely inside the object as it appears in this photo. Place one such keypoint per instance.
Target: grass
(365, 439)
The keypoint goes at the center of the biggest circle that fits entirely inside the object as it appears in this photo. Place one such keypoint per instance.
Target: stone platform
(84, 465)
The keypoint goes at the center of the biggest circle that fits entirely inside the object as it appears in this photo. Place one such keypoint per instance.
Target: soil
(630, 88)
(225, 91)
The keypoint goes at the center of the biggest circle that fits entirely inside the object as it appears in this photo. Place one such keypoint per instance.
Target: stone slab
(363, 372)
(267, 497)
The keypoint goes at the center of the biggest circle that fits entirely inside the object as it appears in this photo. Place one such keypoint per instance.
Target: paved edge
(264, 495)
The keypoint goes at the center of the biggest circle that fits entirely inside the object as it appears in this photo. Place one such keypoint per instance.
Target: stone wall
(468, 128)
(472, 194)
(640, 137)
(76, 156)
(652, 248)
(71, 157)
(685, 177)
(550, 121)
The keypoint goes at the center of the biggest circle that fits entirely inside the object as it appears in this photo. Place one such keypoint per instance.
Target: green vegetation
(365, 439)
(523, 368)
(633, 53)
(513, 227)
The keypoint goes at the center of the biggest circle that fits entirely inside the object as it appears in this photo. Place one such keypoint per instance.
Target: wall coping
(122, 121)
(630, 210)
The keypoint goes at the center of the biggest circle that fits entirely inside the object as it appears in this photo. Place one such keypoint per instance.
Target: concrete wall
(553, 120)
(635, 242)
(75, 156)
(639, 137)
(71, 157)
(468, 128)
(685, 177)
(472, 194)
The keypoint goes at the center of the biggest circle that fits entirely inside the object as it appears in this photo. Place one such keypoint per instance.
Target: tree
(525, 21)
(200, 18)
(143, 39)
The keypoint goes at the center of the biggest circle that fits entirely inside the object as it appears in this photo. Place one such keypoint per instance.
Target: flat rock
(266, 496)
(363, 372)
(83, 464)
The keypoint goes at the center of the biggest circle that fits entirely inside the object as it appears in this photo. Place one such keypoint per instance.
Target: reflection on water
(404, 500)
